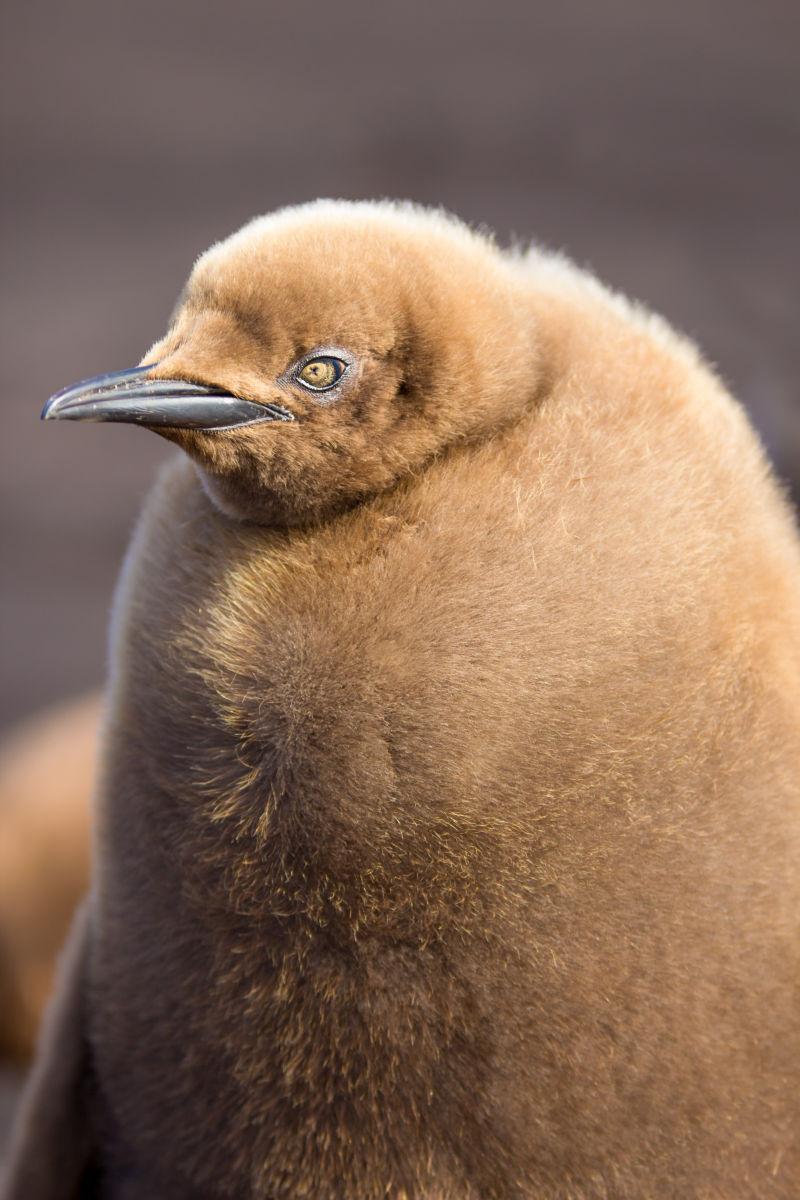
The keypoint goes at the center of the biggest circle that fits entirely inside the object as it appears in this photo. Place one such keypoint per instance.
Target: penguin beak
(133, 399)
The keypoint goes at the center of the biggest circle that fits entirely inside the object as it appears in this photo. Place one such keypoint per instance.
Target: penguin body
(449, 823)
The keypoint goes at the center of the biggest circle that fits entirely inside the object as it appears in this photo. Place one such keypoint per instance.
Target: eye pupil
(321, 373)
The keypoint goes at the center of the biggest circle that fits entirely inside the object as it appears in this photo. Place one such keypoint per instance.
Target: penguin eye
(321, 373)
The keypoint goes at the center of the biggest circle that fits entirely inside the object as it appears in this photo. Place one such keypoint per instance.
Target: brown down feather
(448, 835)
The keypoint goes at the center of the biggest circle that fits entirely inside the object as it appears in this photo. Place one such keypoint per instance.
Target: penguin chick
(449, 823)
(46, 780)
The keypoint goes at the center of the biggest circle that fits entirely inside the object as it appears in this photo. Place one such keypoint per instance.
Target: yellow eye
(322, 373)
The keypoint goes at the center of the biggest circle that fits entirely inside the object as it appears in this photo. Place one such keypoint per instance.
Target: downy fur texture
(449, 829)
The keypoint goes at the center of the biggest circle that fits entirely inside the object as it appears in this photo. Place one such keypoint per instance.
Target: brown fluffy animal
(46, 780)
(450, 823)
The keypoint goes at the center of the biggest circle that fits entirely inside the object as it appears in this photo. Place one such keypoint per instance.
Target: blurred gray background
(656, 142)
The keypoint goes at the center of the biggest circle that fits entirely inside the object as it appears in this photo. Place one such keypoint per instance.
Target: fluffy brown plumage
(46, 779)
(449, 833)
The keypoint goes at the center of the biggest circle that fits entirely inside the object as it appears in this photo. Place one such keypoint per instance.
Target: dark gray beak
(132, 398)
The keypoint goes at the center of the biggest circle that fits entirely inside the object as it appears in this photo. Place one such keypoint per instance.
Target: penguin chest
(290, 846)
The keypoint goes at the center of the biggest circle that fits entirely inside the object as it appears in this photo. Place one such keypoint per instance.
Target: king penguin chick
(449, 832)
(46, 779)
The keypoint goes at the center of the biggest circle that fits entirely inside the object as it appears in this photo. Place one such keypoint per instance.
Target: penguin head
(324, 353)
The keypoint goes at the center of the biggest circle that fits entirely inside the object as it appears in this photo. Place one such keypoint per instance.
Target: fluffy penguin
(449, 823)
(47, 767)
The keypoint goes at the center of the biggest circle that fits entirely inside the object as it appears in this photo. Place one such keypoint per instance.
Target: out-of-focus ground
(656, 142)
